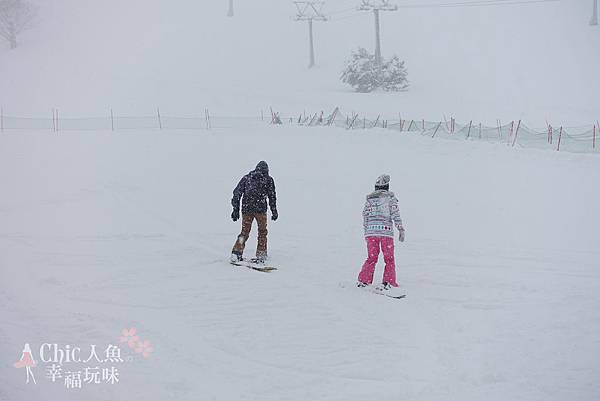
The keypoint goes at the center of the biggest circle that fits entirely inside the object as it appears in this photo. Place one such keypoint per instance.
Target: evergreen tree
(364, 74)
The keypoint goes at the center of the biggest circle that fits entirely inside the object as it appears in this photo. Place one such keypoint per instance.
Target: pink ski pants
(387, 246)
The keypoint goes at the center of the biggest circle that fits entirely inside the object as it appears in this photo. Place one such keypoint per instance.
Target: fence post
(499, 124)
(53, 121)
(470, 125)
(276, 119)
(423, 126)
(208, 118)
(354, 117)
(57, 123)
(559, 138)
(336, 112)
(112, 120)
(436, 129)
(262, 115)
(516, 133)
(479, 130)
(1, 119)
(594, 141)
(333, 116)
(512, 127)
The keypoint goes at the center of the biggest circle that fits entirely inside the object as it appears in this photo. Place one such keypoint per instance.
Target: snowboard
(391, 293)
(254, 265)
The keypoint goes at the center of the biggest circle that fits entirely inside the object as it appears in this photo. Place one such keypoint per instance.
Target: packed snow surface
(106, 231)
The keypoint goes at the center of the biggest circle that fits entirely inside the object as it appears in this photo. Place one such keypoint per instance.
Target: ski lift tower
(310, 11)
(376, 6)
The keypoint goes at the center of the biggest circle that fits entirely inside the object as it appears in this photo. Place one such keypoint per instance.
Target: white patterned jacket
(380, 214)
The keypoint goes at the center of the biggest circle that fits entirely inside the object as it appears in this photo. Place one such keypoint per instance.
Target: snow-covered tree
(394, 75)
(360, 72)
(15, 17)
(364, 74)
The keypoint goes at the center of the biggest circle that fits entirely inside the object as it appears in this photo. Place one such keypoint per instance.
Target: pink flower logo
(145, 348)
(129, 337)
(134, 341)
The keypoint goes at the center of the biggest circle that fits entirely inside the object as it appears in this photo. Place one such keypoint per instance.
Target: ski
(254, 266)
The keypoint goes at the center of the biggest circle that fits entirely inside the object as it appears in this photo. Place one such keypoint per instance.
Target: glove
(401, 235)
(235, 215)
(274, 215)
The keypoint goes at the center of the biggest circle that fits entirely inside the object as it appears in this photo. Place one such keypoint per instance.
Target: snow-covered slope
(533, 61)
(105, 231)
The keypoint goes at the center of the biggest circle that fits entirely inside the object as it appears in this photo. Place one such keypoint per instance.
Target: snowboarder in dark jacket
(253, 189)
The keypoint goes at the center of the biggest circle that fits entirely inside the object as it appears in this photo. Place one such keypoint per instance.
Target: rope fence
(57, 122)
(515, 133)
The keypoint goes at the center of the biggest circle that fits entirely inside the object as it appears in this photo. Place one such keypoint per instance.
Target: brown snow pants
(247, 220)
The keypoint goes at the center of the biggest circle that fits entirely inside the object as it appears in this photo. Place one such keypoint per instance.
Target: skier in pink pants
(379, 216)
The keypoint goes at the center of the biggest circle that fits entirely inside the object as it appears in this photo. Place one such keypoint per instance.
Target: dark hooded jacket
(254, 189)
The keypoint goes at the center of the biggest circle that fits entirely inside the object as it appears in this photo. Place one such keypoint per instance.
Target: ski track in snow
(502, 290)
